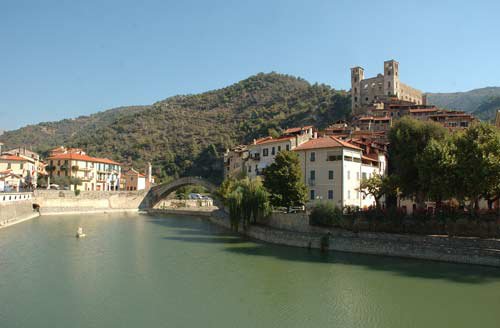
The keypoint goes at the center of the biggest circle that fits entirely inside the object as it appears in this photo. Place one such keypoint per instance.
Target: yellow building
(19, 173)
(94, 173)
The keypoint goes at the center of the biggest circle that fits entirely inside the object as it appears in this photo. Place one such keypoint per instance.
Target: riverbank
(438, 248)
(16, 208)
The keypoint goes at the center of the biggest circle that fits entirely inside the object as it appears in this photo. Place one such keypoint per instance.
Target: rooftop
(326, 142)
(80, 157)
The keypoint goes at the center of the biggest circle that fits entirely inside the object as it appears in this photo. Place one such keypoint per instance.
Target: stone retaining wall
(439, 248)
(56, 201)
(16, 211)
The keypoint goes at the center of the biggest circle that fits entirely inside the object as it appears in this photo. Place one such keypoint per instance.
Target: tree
(437, 166)
(283, 180)
(408, 138)
(377, 186)
(478, 163)
(247, 200)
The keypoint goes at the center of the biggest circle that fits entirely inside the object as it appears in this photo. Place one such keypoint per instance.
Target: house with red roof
(65, 165)
(261, 152)
(19, 172)
(332, 170)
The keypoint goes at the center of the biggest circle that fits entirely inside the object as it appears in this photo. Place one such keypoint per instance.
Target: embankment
(294, 230)
(15, 208)
(66, 202)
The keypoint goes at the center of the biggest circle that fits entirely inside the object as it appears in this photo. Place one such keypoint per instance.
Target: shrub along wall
(446, 222)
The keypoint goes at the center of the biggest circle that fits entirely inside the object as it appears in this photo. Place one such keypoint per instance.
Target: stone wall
(293, 222)
(56, 201)
(12, 212)
(296, 232)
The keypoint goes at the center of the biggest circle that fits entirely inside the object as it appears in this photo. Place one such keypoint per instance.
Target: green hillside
(470, 101)
(184, 134)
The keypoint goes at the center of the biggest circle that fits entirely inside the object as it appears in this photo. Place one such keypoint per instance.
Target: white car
(195, 196)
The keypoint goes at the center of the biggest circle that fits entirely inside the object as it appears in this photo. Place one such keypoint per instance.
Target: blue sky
(62, 59)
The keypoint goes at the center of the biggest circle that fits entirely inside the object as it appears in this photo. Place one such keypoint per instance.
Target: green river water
(135, 270)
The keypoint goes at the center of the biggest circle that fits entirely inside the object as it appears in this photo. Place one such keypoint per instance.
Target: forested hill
(481, 102)
(186, 134)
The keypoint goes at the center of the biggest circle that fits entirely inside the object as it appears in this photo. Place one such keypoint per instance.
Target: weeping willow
(248, 202)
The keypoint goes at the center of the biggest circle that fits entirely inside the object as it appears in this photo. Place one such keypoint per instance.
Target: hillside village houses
(100, 174)
(20, 169)
(336, 160)
(332, 169)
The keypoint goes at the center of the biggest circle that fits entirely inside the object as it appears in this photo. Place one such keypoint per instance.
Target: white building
(263, 151)
(332, 170)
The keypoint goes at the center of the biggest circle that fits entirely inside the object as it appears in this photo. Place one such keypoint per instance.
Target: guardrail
(14, 196)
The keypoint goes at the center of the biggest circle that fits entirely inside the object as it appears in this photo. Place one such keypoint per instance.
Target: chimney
(315, 135)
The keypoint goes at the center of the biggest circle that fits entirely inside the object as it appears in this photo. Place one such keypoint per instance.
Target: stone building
(383, 87)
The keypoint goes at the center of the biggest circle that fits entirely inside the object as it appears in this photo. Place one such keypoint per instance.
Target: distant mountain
(184, 134)
(477, 101)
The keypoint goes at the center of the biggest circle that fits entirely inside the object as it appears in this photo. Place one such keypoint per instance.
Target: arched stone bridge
(157, 193)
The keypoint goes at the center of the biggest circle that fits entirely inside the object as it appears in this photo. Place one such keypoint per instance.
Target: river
(134, 270)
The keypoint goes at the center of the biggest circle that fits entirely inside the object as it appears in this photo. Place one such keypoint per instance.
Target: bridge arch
(158, 192)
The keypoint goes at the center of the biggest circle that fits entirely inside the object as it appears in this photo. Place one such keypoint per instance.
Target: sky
(63, 59)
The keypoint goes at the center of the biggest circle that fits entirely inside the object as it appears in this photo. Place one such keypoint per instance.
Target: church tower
(357, 75)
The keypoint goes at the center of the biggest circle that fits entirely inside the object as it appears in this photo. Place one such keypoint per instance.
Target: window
(389, 84)
(355, 99)
(21, 166)
(312, 175)
(330, 175)
(357, 175)
(364, 175)
(9, 165)
(249, 168)
(273, 151)
(355, 90)
(312, 195)
(265, 152)
(287, 147)
(330, 194)
(279, 148)
(348, 194)
(348, 175)
(312, 156)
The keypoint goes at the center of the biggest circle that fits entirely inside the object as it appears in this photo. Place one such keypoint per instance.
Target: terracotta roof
(13, 158)
(423, 110)
(374, 118)
(79, 157)
(325, 142)
(294, 130)
(271, 140)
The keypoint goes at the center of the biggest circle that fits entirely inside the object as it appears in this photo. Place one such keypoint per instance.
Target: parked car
(195, 196)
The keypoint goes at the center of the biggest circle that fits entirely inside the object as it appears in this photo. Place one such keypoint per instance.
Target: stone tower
(391, 77)
(357, 75)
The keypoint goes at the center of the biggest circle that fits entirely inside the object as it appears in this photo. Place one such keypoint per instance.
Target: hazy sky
(61, 59)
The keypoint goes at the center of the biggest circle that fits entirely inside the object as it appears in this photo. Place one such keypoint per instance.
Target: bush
(77, 192)
(326, 214)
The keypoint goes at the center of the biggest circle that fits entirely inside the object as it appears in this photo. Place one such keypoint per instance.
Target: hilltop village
(335, 160)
